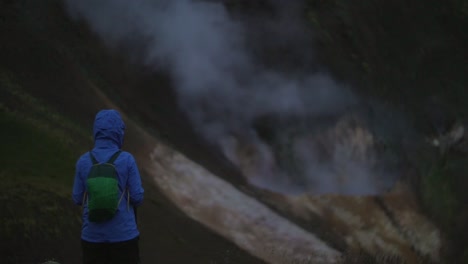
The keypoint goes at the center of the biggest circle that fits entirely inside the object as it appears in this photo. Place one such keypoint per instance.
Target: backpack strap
(93, 159)
(114, 157)
(111, 160)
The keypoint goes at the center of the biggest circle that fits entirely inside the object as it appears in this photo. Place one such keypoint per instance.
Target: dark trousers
(125, 252)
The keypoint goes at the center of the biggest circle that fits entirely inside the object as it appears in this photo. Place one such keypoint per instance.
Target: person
(115, 240)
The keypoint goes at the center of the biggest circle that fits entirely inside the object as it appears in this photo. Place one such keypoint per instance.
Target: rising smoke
(224, 88)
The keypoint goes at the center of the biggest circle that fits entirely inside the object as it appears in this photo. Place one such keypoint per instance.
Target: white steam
(221, 87)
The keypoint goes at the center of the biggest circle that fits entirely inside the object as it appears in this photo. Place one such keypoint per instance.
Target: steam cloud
(221, 86)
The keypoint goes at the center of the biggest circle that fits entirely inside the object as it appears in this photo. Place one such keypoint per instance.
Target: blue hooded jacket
(108, 138)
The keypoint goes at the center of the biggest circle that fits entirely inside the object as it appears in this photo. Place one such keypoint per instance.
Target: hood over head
(108, 125)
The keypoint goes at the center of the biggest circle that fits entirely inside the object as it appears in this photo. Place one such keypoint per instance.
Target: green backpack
(103, 189)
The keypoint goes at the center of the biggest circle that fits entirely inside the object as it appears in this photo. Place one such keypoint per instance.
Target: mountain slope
(48, 57)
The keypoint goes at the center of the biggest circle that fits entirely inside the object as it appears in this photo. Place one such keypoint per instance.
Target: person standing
(108, 186)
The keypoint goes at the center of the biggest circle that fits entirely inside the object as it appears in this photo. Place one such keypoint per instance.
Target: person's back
(114, 240)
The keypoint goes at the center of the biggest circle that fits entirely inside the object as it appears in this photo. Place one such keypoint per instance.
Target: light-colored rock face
(364, 224)
(238, 217)
(455, 138)
(389, 224)
(377, 221)
(338, 160)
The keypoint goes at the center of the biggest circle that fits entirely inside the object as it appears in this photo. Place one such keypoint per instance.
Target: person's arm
(134, 185)
(78, 186)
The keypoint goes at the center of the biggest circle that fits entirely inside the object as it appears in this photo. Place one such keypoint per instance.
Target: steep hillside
(410, 55)
(37, 152)
(405, 60)
(51, 76)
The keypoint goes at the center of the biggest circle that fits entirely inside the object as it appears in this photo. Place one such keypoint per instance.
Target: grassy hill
(38, 153)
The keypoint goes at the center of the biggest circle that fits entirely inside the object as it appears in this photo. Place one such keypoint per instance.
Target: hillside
(50, 91)
(405, 60)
